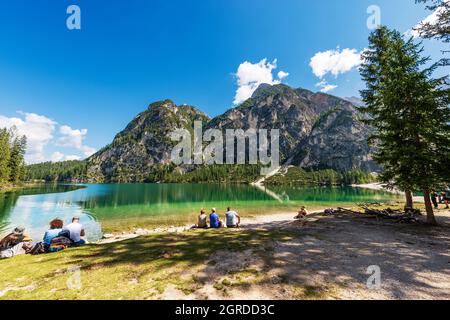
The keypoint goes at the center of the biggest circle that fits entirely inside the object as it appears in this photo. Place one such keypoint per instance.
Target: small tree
(410, 113)
(16, 161)
(4, 155)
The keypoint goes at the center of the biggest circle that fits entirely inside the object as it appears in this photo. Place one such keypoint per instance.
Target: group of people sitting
(56, 238)
(232, 220)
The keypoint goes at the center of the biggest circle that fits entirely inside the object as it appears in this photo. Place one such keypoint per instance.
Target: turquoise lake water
(114, 207)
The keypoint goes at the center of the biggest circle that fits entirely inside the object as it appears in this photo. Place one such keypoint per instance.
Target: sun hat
(19, 230)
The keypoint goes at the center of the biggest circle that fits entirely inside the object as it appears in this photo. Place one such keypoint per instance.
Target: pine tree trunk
(429, 208)
(409, 199)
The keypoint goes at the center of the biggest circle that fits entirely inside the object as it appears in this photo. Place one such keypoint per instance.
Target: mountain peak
(261, 89)
(317, 131)
(162, 104)
(266, 89)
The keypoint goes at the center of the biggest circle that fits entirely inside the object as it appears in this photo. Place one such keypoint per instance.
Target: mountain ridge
(317, 131)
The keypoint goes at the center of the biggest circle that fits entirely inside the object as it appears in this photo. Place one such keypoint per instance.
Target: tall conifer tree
(410, 112)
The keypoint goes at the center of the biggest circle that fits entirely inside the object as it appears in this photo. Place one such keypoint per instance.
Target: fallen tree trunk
(410, 216)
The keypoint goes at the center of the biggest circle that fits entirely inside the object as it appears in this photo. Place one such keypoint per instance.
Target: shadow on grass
(167, 250)
(335, 251)
(413, 259)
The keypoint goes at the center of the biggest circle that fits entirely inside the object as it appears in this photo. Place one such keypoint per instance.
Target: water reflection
(34, 208)
(121, 203)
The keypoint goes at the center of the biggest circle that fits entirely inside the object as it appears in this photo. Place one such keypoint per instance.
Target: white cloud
(335, 62)
(251, 75)
(38, 130)
(41, 131)
(73, 138)
(72, 157)
(431, 19)
(325, 86)
(59, 156)
(282, 75)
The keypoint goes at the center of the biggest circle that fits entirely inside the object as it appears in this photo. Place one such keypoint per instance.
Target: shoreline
(248, 223)
(378, 186)
(252, 222)
(15, 187)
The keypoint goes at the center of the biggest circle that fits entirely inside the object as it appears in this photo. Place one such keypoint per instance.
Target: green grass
(139, 268)
(10, 187)
(144, 267)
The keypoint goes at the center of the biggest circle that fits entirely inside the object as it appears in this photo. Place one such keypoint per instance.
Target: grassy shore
(139, 268)
(135, 220)
(272, 258)
(9, 187)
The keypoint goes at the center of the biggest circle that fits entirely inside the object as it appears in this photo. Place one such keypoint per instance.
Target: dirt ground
(328, 258)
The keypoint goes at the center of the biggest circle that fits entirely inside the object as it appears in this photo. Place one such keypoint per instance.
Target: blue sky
(73, 90)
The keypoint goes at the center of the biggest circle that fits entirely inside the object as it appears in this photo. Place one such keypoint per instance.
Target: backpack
(38, 248)
(59, 243)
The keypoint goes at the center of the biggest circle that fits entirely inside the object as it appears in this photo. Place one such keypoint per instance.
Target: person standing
(434, 199)
(232, 218)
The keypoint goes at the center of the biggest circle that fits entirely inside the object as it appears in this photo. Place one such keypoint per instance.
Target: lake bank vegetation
(66, 171)
(12, 163)
(76, 172)
(295, 176)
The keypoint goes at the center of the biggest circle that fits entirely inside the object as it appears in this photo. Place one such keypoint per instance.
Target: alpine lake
(112, 208)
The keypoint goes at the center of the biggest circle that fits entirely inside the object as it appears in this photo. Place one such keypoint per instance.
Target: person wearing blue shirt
(56, 226)
(214, 220)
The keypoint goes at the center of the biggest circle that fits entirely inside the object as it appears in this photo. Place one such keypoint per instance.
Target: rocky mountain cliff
(143, 144)
(317, 131)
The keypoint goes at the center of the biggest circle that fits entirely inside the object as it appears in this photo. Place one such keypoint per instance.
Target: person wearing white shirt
(76, 231)
(233, 218)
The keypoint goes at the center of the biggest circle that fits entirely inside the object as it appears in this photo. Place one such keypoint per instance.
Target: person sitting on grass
(302, 213)
(15, 243)
(76, 232)
(56, 226)
(201, 223)
(233, 218)
(52, 239)
(14, 238)
(214, 220)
